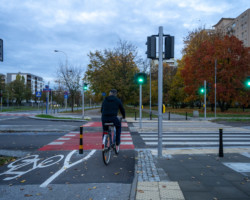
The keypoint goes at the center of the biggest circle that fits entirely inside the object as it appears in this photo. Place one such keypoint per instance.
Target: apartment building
(36, 83)
(239, 27)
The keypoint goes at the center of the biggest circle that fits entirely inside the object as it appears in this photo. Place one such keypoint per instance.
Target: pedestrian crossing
(196, 139)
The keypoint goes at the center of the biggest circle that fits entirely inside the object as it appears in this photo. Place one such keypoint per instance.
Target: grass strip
(130, 112)
(53, 117)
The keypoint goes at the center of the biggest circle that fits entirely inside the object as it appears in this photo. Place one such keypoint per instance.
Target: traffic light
(209, 86)
(151, 47)
(140, 78)
(1, 50)
(169, 47)
(85, 86)
(202, 90)
(248, 82)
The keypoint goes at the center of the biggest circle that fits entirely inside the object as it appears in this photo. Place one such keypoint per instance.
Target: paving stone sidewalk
(153, 182)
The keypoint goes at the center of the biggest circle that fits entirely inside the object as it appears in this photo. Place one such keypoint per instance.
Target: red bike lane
(91, 139)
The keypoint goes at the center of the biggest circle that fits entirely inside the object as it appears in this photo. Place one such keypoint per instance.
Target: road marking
(197, 143)
(126, 143)
(66, 166)
(246, 154)
(195, 138)
(31, 161)
(56, 143)
(238, 167)
(63, 138)
(195, 134)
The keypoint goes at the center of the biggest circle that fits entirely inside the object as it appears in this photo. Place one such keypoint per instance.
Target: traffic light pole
(83, 100)
(215, 71)
(140, 103)
(205, 98)
(160, 71)
(150, 92)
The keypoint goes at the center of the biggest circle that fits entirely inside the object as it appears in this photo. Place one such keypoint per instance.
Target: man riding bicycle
(110, 107)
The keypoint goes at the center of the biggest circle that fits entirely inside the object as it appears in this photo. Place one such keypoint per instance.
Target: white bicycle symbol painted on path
(29, 163)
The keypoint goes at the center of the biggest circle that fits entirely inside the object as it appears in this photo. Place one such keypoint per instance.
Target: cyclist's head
(113, 92)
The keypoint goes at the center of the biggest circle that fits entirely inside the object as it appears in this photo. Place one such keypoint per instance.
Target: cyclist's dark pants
(117, 124)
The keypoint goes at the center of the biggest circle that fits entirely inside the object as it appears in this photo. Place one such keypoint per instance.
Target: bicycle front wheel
(106, 152)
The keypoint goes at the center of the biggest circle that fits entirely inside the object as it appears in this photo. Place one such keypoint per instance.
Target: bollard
(221, 143)
(169, 116)
(81, 145)
(150, 115)
(186, 116)
(135, 115)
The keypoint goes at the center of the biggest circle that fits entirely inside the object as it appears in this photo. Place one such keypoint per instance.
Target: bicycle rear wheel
(106, 152)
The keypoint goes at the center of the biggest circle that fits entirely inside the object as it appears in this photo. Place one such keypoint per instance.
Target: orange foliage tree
(233, 66)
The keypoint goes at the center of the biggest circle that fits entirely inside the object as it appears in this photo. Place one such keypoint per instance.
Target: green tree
(18, 87)
(114, 69)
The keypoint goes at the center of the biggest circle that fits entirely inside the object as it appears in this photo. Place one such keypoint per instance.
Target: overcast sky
(33, 29)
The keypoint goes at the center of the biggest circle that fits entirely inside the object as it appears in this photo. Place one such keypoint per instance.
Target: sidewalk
(193, 175)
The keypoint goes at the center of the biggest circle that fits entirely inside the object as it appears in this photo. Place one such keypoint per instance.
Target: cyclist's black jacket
(110, 107)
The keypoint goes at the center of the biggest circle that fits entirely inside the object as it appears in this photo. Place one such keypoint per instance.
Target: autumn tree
(114, 69)
(168, 76)
(233, 65)
(177, 94)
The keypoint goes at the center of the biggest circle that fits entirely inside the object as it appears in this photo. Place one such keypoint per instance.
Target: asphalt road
(59, 174)
(24, 124)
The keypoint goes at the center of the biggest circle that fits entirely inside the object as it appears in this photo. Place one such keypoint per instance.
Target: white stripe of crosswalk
(196, 139)
(191, 135)
(198, 143)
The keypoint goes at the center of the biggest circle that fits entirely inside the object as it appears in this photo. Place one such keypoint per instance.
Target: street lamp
(65, 99)
(64, 54)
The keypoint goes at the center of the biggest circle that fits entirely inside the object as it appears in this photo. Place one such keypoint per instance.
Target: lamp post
(66, 64)
(64, 54)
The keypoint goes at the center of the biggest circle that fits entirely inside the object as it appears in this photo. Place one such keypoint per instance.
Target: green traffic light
(85, 86)
(202, 90)
(140, 80)
(248, 84)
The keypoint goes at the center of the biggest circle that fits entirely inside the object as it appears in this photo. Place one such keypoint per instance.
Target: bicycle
(109, 143)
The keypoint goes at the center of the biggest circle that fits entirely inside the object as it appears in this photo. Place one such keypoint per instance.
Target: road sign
(65, 96)
(104, 94)
(38, 94)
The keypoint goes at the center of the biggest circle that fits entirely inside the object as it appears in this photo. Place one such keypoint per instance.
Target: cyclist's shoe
(117, 144)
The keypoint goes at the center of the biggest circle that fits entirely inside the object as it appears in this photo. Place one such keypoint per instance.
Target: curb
(132, 195)
(48, 119)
